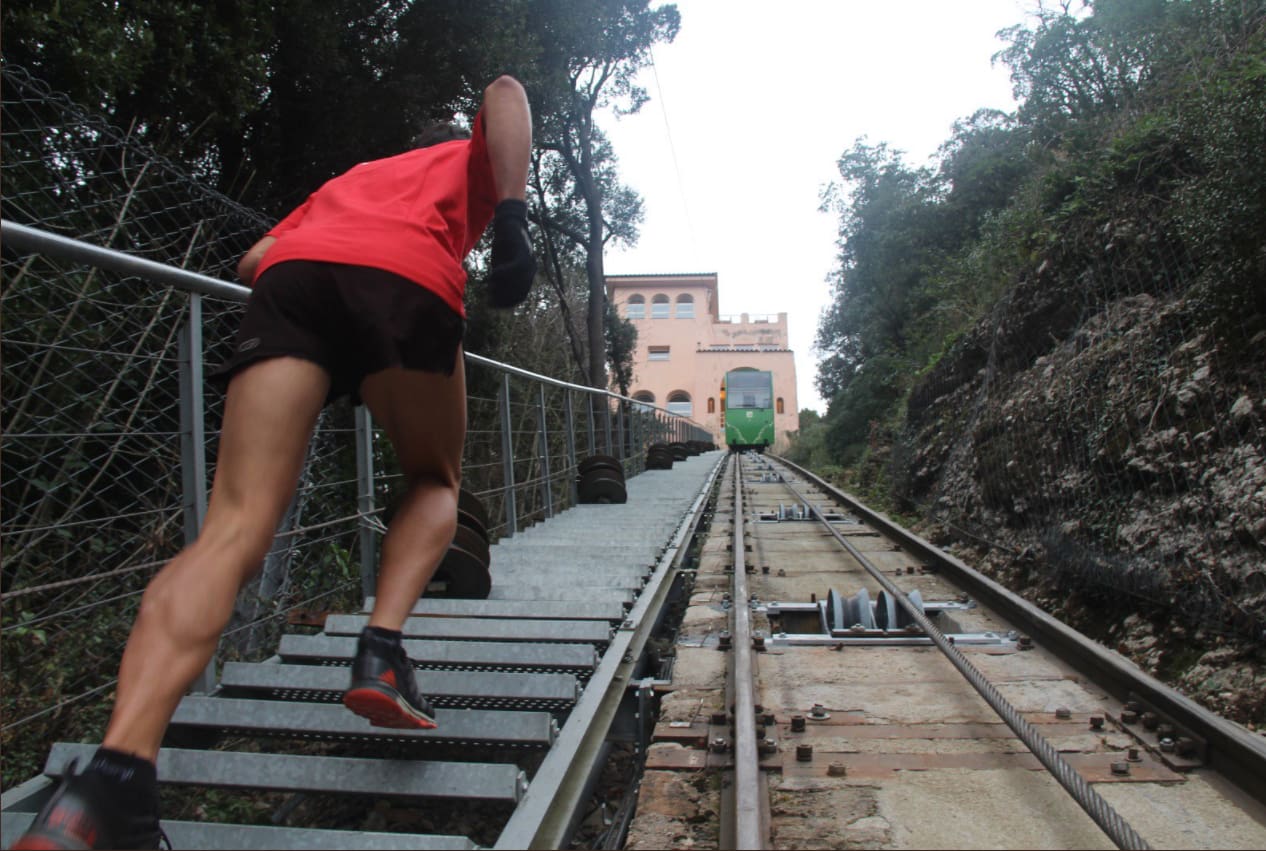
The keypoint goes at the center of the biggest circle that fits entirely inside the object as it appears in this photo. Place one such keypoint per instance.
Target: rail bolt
(1129, 716)
(804, 753)
(1133, 755)
(720, 745)
(797, 723)
(1167, 745)
(1121, 769)
(1063, 713)
(726, 640)
(837, 769)
(1096, 722)
(1150, 721)
(767, 746)
(1165, 731)
(1025, 642)
(764, 568)
(819, 713)
(719, 719)
(767, 718)
(758, 642)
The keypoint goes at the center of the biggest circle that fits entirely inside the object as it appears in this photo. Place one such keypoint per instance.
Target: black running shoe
(384, 688)
(86, 812)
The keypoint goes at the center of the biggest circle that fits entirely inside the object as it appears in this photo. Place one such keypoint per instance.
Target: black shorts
(352, 321)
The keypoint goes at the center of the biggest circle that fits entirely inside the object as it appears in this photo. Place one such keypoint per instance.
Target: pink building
(685, 347)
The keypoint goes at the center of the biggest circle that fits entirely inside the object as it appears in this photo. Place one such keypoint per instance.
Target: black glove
(512, 267)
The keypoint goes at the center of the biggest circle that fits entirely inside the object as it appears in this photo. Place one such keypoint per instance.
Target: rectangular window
(685, 310)
(635, 311)
(657, 353)
(659, 310)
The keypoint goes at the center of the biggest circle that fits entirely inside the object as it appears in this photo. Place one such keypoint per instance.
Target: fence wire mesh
(95, 497)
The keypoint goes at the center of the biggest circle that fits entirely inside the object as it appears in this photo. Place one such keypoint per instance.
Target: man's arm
(250, 260)
(508, 129)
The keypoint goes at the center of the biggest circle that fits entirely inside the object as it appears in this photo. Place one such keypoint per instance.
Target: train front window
(749, 390)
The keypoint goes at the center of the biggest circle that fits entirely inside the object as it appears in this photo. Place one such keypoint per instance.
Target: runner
(358, 292)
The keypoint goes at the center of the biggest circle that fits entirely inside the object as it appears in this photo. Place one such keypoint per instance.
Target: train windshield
(748, 390)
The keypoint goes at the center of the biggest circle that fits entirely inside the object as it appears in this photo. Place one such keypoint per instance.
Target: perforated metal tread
(209, 835)
(445, 689)
(407, 778)
(595, 610)
(578, 659)
(506, 588)
(333, 721)
(483, 629)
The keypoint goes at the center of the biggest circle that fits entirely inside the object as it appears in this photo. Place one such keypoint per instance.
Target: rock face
(1108, 463)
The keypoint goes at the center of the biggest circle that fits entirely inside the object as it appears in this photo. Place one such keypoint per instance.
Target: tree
(591, 56)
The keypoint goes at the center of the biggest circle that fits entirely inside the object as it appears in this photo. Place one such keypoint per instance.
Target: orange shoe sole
(386, 710)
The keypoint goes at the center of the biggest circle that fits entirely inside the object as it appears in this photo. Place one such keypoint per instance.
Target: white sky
(760, 100)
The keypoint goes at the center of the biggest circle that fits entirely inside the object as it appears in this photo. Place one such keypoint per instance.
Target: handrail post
(571, 446)
(507, 459)
(193, 445)
(620, 452)
(544, 441)
(365, 499)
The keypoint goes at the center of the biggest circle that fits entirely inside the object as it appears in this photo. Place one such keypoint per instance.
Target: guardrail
(108, 446)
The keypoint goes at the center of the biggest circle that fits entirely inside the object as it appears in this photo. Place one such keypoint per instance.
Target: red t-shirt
(417, 214)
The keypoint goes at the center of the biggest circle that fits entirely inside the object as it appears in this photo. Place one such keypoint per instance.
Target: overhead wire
(672, 148)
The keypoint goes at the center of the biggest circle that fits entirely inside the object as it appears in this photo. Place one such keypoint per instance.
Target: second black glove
(512, 266)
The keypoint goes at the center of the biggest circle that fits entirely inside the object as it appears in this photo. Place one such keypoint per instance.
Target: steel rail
(544, 817)
(1099, 810)
(1234, 752)
(747, 807)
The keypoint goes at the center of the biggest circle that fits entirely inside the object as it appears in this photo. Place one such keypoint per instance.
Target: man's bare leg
(424, 415)
(269, 416)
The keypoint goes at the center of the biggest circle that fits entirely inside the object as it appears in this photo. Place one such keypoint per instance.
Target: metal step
(445, 689)
(550, 609)
(333, 721)
(209, 835)
(510, 589)
(578, 659)
(272, 772)
(460, 629)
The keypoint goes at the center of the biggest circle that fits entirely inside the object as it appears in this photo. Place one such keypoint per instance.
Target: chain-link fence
(109, 432)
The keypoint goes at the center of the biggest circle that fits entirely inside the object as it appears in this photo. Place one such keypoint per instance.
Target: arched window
(685, 306)
(644, 396)
(659, 307)
(679, 403)
(636, 307)
(712, 405)
(778, 405)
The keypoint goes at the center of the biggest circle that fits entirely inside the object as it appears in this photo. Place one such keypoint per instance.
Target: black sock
(135, 777)
(392, 635)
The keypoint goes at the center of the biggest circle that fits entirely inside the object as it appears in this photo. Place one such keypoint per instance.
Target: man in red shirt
(357, 292)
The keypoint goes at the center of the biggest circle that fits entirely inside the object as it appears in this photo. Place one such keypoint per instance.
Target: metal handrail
(24, 238)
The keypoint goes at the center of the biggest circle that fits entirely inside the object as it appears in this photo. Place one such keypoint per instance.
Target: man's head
(435, 134)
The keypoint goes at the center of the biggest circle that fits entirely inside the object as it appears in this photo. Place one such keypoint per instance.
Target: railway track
(844, 683)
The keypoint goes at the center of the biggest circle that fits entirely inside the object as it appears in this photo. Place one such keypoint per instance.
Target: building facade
(685, 345)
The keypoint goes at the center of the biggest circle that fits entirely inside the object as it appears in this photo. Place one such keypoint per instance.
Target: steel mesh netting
(1107, 437)
(92, 500)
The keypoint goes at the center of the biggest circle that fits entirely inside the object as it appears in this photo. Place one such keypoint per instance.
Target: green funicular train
(747, 409)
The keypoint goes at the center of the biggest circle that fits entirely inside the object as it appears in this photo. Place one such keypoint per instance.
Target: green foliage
(1135, 156)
